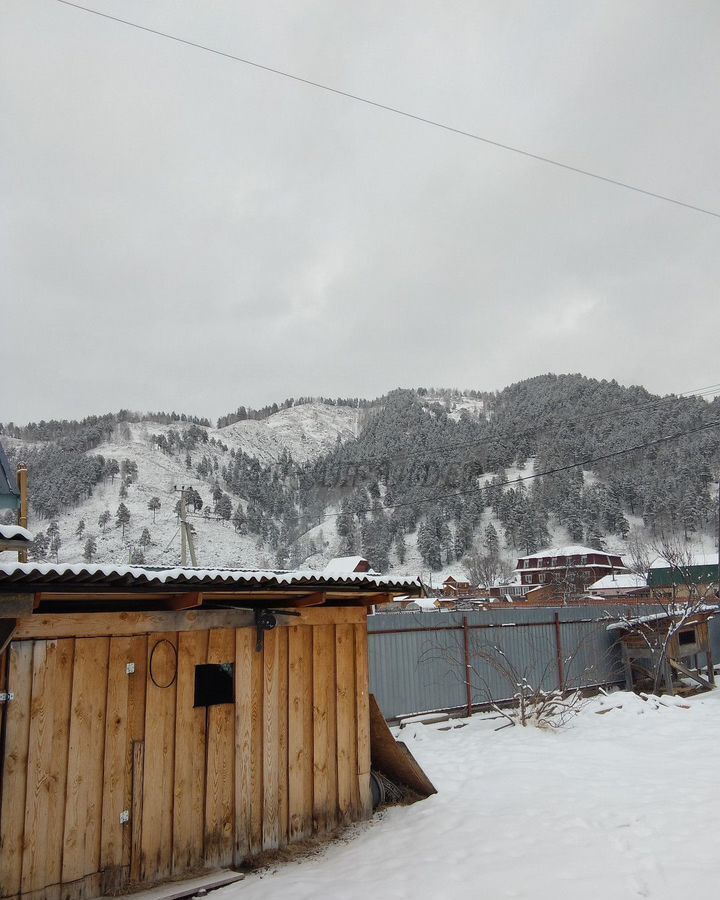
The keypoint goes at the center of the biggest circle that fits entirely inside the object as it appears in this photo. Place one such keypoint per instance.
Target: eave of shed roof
(48, 580)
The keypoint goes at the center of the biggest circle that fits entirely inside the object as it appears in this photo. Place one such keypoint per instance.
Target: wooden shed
(659, 648)
(155, 723)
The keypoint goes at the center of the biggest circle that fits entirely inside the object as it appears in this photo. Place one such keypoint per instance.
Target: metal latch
(6, 696)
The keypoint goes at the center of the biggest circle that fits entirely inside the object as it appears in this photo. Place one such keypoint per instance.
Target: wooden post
(22, 480)
(559, 653)
(468, 665)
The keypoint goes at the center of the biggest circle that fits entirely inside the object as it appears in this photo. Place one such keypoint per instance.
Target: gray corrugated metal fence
(417, 660)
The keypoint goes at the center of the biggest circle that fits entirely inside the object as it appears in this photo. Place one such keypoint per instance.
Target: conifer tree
(90, 549)
(122, 518)
(154, 505)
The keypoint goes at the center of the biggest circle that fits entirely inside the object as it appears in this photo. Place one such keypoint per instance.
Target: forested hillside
(422, 478)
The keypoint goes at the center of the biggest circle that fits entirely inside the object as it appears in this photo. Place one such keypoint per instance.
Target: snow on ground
(612, 807)
(306, 431)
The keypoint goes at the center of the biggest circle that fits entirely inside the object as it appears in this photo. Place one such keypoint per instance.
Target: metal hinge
(6, 696)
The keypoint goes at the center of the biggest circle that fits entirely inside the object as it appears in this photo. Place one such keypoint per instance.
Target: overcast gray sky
(181, 231)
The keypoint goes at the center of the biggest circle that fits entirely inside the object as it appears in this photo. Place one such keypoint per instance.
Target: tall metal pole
(718, 541)
(186, 536)
(183, 533)
(468, 666)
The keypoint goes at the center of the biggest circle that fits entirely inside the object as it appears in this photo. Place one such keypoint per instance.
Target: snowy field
(614, 806)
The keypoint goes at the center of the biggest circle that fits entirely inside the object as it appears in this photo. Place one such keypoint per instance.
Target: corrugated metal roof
(15, 533)
(49, 576)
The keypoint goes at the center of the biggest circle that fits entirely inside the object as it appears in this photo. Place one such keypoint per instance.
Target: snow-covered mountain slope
(304, 431)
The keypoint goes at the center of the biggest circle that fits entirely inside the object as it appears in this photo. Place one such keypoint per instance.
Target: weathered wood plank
(244, 649)
(362, 703)
(116, 749)
(12, 606)
(325, 729)
(688, 673)
(58, 772)
(271, 738)
(308, 763)
(46, 625)
(393, 758)
(83, 810)
(219, 801)
(282, 637)
(159, 763)
(39, 786)
(56, 625)
(297, 748)
(135, 733)
(136, 811)
(190, 749)
(256, 755)
(346, 722)
(14, 772)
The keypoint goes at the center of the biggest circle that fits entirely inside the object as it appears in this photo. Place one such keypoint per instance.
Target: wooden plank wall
(87, 745)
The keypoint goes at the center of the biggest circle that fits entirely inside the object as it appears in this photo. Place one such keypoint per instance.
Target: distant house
(618, 583)
(346, 565)
(574, 565)
(698, 572)
(430, 604)
(453, 587)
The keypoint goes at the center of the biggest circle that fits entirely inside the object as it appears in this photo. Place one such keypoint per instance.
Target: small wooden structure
(454, 587)
(155, 723)
(670, 645)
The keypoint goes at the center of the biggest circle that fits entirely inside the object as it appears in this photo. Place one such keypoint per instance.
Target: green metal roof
(682, 575)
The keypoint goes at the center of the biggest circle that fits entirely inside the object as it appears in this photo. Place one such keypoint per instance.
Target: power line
(397, 111)
(547, 472)
(483, 441)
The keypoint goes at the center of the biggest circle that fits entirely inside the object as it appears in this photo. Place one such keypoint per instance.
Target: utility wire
(397, 111)
(500, 435)
(547, 472)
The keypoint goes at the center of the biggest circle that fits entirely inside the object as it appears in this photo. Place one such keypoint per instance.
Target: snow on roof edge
(163, 575)
(15, 533)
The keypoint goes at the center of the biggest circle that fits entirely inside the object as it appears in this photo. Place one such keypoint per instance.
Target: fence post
(468, 665)
(559, 653)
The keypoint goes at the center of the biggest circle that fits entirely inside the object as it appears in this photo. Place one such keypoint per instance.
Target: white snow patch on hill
(306, 431)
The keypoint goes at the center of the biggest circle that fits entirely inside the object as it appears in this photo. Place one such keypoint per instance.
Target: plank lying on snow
(176, 890)
(392, 757)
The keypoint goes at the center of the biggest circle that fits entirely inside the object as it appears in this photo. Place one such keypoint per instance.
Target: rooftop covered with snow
(569, 550)
(621, 581)
(342, 565)
(14, 537)
(66, 580)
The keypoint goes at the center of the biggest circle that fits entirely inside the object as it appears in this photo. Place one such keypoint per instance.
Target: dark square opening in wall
(687, 637)
(214, 684)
